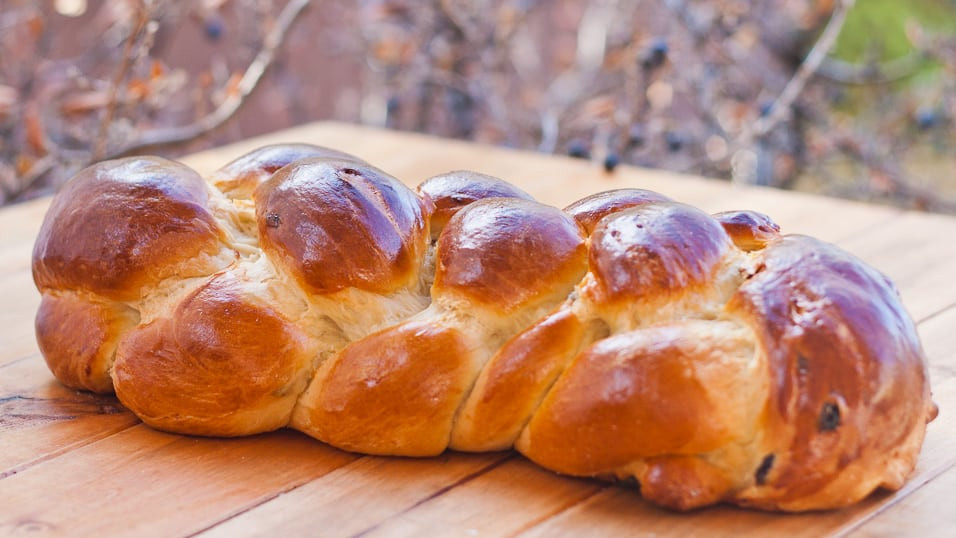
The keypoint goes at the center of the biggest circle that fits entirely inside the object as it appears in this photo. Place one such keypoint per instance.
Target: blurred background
(843, 98)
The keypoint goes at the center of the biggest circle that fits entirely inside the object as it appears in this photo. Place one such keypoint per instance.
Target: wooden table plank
(938, 335)
(926, 513)
(500, 502)
(19, 225)
(357, 496)
(921, 258)
(21, 300)
(284, 483)
(41, 419)
(147, 483)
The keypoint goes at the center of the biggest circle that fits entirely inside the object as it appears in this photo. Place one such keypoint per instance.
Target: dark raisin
(829, 417)
(761, 475)
(351, 172)
(803, 365)
(272, 220)
(629, 482)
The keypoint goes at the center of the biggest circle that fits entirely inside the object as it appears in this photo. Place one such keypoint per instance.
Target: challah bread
(239, 179)
(654, 263)
(454, 190)
(113, 235)
(396, 392)
(848, 391)
(748, 230)
(628, 337)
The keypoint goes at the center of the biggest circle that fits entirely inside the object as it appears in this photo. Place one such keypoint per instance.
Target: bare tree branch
(874, 72)
(876, 158)
(235, 98)
(570, 85)
(143, 13)
(679, 90)
(27, 179)
(744, 157)
(780, 109)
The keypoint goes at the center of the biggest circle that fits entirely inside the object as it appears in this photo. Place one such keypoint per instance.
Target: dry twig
(570, 86)
(744, 157)
(234, 99)
(780, 109)
(845, 72)
(877, 159)
(129, 58)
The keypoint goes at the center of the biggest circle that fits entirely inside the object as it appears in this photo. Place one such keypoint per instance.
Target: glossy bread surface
(336, 224)
(705, 358)
(121, 225)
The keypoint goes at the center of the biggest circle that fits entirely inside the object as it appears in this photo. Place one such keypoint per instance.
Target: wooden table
(75, 464)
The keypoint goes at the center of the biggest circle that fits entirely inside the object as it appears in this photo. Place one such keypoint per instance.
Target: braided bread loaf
(629, 337)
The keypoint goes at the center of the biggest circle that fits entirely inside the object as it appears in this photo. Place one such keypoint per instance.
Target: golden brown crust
(515, 380)
(239, 178)
(77, 335)
(684, 482)
(454, 190)
(749, 230)
(654, 251)
(220, 364)
(335, 224)
(392, 393)
(120, 225)
(849, 392)
(495, 252)
(642, 394)
(589, 211)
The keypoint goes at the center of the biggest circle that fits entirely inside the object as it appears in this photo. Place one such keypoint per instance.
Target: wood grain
(21, 301)
(41, 419)
(358, 496)
(486, 505)
(145, 483)
(918, 252)
(72, 463)
(938, 334)
(19, 225)
(927, 512)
